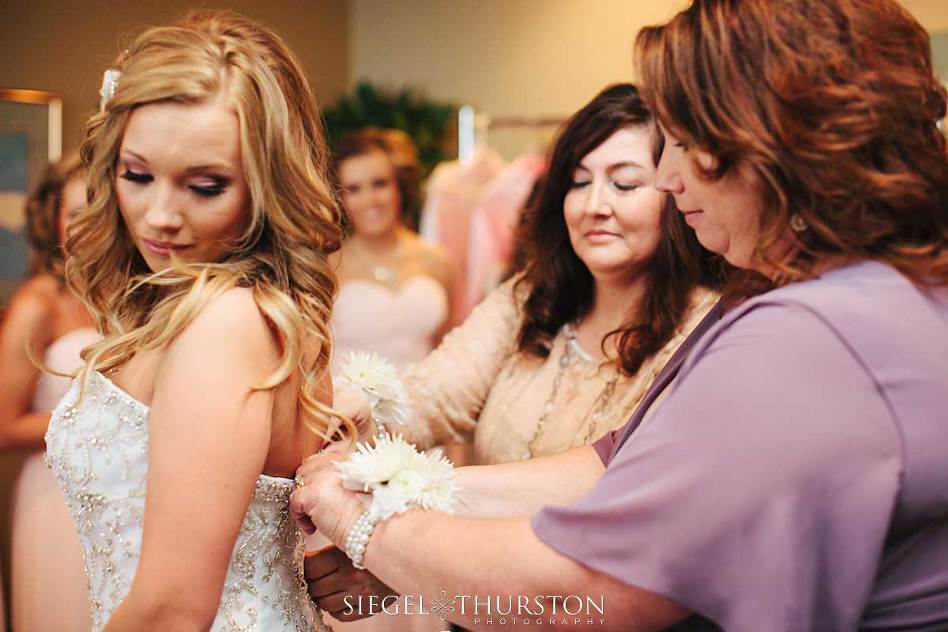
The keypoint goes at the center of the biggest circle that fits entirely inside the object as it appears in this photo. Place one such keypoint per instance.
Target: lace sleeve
(448, 388)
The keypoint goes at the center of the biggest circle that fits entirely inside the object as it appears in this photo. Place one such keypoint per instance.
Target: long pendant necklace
(572, 353)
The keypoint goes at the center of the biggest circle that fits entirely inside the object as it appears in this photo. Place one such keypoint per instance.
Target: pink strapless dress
(399, 324)
(49, 592)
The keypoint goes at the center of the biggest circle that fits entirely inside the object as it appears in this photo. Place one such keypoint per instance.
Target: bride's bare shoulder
(231, 325)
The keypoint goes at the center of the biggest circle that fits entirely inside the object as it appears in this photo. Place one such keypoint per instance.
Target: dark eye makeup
(215, 186)
(134, 176)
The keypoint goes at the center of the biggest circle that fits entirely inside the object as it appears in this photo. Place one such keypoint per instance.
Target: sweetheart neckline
(415, 278)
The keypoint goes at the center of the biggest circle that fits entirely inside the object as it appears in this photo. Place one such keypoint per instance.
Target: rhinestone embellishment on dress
(98, 451)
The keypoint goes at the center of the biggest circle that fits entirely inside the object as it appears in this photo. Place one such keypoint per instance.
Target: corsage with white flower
(395, 477)
(376, 378)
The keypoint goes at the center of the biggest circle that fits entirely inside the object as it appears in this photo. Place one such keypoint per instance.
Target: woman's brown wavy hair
(400, 150)
(43, 210)
(832, 105)
(561, 287)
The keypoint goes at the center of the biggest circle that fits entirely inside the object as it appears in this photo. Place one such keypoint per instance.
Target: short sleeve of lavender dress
(760, 492)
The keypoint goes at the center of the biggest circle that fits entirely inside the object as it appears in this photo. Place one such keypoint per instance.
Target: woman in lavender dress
(796, 475)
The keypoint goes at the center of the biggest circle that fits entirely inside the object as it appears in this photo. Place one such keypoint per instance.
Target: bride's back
(99, 447)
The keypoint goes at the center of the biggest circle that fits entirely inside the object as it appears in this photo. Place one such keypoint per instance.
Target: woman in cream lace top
(612, 283)
(478, 387)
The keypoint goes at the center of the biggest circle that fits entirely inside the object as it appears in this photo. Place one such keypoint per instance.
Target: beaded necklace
(572, 353)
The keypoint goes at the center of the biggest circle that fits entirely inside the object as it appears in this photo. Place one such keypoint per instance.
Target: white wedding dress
(98, 451)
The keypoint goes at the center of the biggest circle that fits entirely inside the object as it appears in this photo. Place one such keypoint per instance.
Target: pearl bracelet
(358, 537)
(399, 478)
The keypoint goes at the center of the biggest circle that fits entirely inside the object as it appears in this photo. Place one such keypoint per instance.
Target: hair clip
(110, 80)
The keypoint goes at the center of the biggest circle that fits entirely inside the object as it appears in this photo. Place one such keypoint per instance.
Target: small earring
(798, 224)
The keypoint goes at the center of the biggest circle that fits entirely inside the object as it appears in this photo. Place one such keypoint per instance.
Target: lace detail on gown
(98, 451)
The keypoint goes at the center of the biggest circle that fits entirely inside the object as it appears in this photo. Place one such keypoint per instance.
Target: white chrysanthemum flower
(389, 500)
(393, 410)
(399, 477)
(377, 378)
(438, 474)
(369, 371)
(370, 466)
(408, 483)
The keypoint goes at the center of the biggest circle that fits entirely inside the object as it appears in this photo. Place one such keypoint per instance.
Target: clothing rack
(474, 127)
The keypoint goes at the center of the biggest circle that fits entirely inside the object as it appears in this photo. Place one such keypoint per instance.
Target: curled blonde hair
(295, 220)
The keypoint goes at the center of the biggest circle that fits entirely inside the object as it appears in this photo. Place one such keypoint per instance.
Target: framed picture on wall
(30, 138)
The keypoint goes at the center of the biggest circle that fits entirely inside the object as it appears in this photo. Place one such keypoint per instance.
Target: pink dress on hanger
(493, 224)
(451, 195)
(49, 591)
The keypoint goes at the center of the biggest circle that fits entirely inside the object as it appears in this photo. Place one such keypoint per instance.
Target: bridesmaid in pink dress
(394, 288)
(48, 585)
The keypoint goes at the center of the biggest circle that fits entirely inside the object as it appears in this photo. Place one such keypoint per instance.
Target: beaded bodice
(97, 448)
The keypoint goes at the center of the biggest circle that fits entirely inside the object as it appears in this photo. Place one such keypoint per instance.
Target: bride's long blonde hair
(294, 217)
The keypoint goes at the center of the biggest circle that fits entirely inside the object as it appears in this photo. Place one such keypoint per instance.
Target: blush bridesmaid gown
(398, 323)
(49, 591)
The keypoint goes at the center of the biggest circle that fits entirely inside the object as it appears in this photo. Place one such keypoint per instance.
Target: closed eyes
(216, 187)
(620, 186)
(209, 190)
(136, 177)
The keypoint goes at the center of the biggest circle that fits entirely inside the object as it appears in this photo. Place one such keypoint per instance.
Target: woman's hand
(320, 501)
(331, 578)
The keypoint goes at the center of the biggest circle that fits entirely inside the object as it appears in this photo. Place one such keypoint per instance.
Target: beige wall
(933, 14)
(64, 45)
(526, 57)
(515, 57)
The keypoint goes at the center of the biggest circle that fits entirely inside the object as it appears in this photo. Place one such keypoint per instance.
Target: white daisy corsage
(376, 378)
(394, 477)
